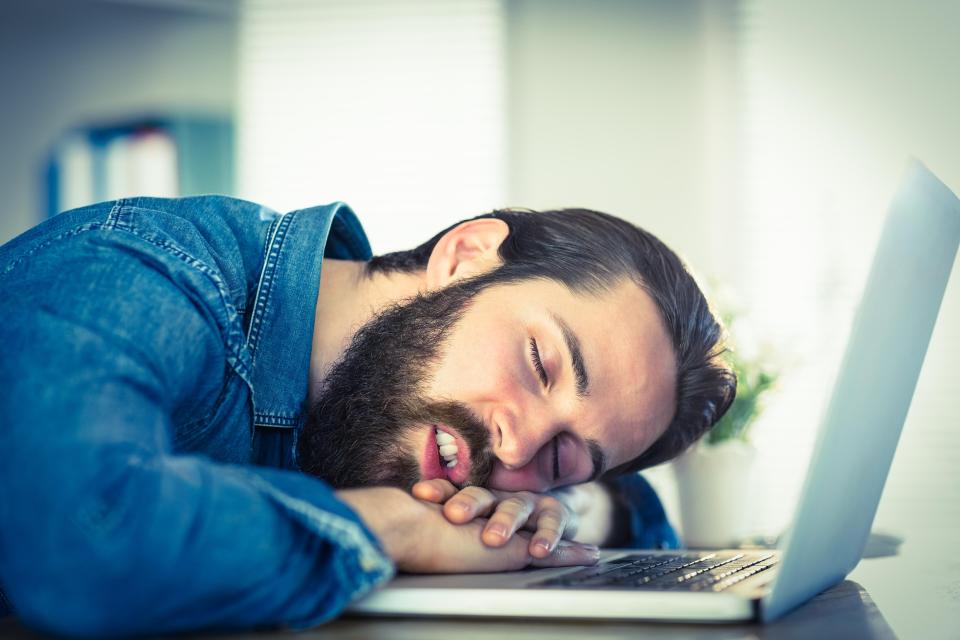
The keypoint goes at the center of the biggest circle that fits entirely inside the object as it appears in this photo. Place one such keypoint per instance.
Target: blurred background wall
(80, 63)
(761, 139)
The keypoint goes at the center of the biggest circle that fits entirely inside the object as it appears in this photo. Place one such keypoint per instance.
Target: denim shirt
(155, 364)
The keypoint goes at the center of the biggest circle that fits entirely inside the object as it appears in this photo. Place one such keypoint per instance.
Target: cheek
(477, 367)
(627, 444)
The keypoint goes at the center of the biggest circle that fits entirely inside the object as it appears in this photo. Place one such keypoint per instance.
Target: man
(203, 429)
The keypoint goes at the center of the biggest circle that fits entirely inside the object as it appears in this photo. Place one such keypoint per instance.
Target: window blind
(393, 107)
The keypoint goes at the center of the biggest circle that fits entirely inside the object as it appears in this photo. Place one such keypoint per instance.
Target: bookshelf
(157, 156)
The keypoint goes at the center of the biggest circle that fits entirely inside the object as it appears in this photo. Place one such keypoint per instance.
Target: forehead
(627, 353)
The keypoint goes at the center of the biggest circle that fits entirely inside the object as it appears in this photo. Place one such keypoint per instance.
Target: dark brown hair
(590, 251)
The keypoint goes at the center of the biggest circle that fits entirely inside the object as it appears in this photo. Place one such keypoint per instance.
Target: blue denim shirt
(155, 363)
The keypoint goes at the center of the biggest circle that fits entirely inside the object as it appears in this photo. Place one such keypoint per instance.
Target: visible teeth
(447, 445)
(448, 450)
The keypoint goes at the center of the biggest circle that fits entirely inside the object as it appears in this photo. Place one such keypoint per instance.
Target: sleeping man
(217, 416)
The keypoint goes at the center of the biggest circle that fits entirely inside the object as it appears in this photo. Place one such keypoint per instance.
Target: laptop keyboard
(676, 572)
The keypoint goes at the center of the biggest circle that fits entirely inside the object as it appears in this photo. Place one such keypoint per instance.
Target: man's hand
(549, 519)
(584, 512)
(420, 539)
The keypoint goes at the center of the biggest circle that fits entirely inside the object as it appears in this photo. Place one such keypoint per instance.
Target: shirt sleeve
(107, 531)
(640, 521)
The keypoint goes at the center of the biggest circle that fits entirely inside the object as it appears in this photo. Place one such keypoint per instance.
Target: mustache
(471, 428)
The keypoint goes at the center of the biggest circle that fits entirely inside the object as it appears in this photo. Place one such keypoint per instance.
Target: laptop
(852, 456)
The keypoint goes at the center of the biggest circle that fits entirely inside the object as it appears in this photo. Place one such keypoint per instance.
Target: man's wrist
(389, 513)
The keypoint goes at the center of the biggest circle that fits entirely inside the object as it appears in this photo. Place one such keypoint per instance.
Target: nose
(516, 447)
(515, 442)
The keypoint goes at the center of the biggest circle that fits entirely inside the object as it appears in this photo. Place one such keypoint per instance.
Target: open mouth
(446, 456)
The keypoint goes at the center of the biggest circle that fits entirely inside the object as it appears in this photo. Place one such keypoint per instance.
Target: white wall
(829, 128)
(613, 105)
(393, 106)
(66, 63)
(421, 113)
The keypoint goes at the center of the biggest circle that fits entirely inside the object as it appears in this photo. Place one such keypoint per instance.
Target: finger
(572, 522)
(469, 503)
(436, 490)
(514, 556)
(458, 549)
(509, 515)
(550, 523)
(569, 554)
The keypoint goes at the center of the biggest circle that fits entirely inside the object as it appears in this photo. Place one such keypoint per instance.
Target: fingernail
(543, 543)
(462, 507)
(498, 530)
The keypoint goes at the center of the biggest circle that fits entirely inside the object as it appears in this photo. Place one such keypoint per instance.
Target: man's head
(549, 347)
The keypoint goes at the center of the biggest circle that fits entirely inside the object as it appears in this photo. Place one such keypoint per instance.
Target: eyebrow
(576, 356)
(599, 459)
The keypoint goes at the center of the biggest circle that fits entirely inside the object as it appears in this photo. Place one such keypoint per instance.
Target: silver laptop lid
(875, 383)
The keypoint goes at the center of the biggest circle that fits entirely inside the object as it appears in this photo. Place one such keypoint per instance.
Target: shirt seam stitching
(235, 355)
(91, 226)
(348, 534)
(265, 282)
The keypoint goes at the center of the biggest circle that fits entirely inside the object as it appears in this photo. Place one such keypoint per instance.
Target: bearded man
(203, 429)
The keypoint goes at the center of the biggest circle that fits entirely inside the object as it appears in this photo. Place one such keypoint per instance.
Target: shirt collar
(280, 337)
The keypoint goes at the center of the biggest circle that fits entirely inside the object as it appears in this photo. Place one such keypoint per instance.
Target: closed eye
(556, 460)
(537, 363)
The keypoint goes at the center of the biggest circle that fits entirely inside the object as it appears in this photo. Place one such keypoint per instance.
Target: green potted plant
(754, 379)
(713, 477)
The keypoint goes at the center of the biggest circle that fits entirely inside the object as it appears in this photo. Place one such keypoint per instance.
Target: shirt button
(369, 561)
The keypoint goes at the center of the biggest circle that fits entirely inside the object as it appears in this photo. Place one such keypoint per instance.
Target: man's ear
(468, 249)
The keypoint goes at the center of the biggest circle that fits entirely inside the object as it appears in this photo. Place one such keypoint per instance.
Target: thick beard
(358, 433)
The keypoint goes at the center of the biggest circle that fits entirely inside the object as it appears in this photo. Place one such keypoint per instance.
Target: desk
(845, 611)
